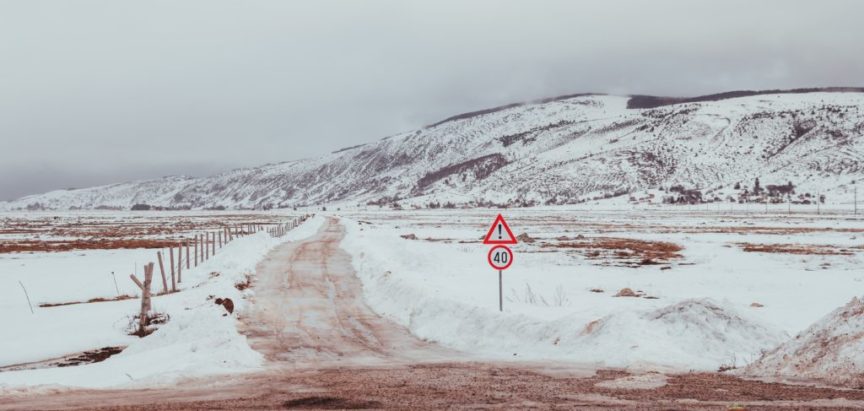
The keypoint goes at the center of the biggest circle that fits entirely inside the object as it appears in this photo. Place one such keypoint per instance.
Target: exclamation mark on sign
(499, 231)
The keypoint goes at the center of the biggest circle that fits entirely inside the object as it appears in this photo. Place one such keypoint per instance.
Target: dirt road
(327, 350)
(308, 311)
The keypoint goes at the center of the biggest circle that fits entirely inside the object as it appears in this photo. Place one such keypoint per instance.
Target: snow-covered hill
(556, 151)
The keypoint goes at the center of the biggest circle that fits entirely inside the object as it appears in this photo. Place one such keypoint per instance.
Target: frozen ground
(716, 306)
(711, 291)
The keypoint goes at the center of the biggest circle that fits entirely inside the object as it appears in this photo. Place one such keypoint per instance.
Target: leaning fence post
(137, 281)
(187, 254)
(29, 304)
(162, 270)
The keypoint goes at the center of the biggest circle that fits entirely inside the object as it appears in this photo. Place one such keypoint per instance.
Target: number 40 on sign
(500, 257)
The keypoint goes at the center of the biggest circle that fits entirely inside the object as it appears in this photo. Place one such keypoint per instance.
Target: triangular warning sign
(499, 233)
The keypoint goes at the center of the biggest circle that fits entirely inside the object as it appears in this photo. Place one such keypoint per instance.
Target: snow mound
(831, 350)
(694, 334)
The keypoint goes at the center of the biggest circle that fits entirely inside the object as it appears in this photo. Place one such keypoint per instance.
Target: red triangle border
(491, 232)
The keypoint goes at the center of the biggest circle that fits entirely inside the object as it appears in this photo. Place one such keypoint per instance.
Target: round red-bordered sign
(501, 262)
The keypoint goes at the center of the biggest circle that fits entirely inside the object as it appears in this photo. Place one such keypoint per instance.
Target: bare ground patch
(466, 386)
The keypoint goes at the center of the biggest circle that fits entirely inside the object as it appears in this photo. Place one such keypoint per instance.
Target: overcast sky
(95, 92)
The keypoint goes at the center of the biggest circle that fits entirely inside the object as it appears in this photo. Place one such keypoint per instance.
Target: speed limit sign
(500, 257)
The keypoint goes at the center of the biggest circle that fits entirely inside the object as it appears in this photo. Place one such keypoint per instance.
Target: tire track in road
(314, 283)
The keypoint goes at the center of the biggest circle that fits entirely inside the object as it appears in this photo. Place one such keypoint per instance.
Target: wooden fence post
(196, 250)
(179, 264)
(213, 251)
(187, 254)
(145, 299)
(173, 280)
(206, 237)
(219, 234)
(162, 270)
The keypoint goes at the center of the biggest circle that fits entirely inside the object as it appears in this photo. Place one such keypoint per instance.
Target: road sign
(499, 233)
(500, 257)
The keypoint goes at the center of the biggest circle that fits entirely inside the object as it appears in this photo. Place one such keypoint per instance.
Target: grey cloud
(104, 91)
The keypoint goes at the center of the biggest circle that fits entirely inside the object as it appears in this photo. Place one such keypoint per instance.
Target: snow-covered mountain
(561, 150)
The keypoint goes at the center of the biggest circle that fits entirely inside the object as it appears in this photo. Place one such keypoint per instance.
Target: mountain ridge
(559, 150)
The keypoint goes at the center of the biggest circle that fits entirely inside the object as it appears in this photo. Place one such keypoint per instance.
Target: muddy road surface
(326, 349)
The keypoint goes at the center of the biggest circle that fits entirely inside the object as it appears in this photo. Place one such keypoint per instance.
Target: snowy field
(197, 339)
(669, 289)
(712, 290)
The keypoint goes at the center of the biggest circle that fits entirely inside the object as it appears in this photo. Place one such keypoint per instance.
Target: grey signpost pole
(500, 290)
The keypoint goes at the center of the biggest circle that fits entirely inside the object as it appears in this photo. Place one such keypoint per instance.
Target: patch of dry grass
(798, 249)
(629, 251)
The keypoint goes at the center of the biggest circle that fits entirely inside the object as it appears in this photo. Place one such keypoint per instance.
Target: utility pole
(819, 204)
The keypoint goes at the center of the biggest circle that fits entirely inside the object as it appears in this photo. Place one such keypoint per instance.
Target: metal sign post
(501, 290)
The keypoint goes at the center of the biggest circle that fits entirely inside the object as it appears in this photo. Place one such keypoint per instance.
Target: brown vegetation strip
(131, 227)
(92, 300)
(640, 252)
(800, 249)
(23, 246)
(86, 357)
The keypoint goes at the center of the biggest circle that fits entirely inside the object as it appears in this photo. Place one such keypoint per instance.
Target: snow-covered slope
(555, 151)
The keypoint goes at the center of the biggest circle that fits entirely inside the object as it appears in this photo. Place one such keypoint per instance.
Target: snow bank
(700, 334)
(831, 350)
(198, 340)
